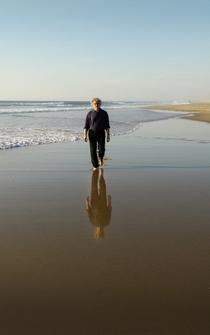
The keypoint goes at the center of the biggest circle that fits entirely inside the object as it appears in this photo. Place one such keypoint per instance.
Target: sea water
(24, 123)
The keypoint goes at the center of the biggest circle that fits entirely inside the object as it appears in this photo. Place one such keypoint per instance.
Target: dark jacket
(97, 121)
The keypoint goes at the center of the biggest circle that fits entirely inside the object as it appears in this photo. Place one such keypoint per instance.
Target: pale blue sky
(114, 49)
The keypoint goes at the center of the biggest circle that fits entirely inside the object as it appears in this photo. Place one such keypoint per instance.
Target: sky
(142, 50)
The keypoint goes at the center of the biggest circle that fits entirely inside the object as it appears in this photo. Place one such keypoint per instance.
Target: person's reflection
(98, 208)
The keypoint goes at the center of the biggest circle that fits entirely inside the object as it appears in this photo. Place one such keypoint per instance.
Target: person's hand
(85, 138)
(108, 137)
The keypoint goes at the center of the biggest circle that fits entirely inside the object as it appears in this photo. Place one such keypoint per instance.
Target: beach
(200, 110)
(150, 272)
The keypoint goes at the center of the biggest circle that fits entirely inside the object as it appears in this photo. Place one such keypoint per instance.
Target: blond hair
(96, 100)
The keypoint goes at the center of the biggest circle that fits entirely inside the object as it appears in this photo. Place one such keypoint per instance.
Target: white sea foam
(17, 138)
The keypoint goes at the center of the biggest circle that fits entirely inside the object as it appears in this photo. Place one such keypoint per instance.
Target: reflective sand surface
(148, 274)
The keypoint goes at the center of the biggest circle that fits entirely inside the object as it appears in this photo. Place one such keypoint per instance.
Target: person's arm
(110, 202)
(85, 135)
(87, 203)
(108, 134)
(86, 127)
(107, 127)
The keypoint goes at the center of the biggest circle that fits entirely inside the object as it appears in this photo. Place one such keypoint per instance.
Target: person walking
(97, 129)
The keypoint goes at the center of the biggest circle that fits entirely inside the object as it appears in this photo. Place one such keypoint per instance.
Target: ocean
(24, 123)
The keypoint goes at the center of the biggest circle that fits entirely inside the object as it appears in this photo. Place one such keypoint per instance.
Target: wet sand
(150, 272)
(200, 111)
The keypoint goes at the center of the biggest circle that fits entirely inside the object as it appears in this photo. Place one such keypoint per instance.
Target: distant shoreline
(200, 111)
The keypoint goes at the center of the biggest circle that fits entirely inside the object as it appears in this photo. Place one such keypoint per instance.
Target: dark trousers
(98, 196)
(96, 141)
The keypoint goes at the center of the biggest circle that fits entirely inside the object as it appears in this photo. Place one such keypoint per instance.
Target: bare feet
(101, 163)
